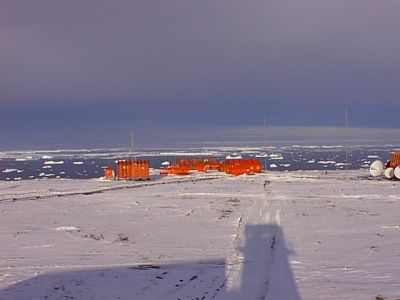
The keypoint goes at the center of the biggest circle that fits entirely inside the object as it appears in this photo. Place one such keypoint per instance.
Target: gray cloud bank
(67, 64)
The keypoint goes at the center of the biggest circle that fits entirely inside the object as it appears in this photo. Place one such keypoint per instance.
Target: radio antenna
(346, 124)
(133, 144)
(265, 144)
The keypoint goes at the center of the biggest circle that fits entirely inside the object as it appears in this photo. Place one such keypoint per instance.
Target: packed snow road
(293, 235)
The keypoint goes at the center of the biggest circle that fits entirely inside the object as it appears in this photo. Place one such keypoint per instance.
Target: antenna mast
(265, 144)
(132, 144)
(133, 163)
(346, 124)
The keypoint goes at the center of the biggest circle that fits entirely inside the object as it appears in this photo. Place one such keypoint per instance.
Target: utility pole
(133, 154)
(265, 144)
(346, 124)
(132, 144)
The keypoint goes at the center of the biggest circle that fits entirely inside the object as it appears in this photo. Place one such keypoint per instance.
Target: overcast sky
(73, 68)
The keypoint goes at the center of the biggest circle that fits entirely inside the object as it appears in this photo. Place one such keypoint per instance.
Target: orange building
(134, 169)
(394, 160)
(233, 167)
(241, 166)
(175, 170)
(109, 173)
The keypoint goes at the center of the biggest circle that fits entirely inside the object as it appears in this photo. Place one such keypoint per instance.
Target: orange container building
(241, 166)
(394, 160)
(233, 167)
(175, 170)
(109, 173)
(134, 169)
(198, 164)
(182, 166)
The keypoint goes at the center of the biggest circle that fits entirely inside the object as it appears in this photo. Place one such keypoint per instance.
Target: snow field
(291, 235)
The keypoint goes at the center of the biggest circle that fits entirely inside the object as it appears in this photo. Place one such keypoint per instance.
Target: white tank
(376, 168)
(389, 173)
(397, 172)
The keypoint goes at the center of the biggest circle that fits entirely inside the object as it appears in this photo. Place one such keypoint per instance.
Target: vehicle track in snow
(264, 267)
(36, 195)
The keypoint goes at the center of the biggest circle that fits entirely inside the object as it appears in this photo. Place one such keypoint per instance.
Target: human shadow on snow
(263, 272)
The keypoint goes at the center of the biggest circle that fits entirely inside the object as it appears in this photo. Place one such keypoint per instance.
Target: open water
(85, 164)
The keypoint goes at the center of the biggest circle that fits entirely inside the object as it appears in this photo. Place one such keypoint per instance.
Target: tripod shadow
(266, 271)
(263, 273)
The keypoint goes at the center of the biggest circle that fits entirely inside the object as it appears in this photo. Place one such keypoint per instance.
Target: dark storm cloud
(67, 64)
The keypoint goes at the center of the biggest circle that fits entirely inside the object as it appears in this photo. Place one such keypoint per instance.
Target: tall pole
(265, 144)
(133, 144)
(346, 124)
(133, 154)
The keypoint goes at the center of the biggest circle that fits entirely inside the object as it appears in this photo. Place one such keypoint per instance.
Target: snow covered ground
(280, 235)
